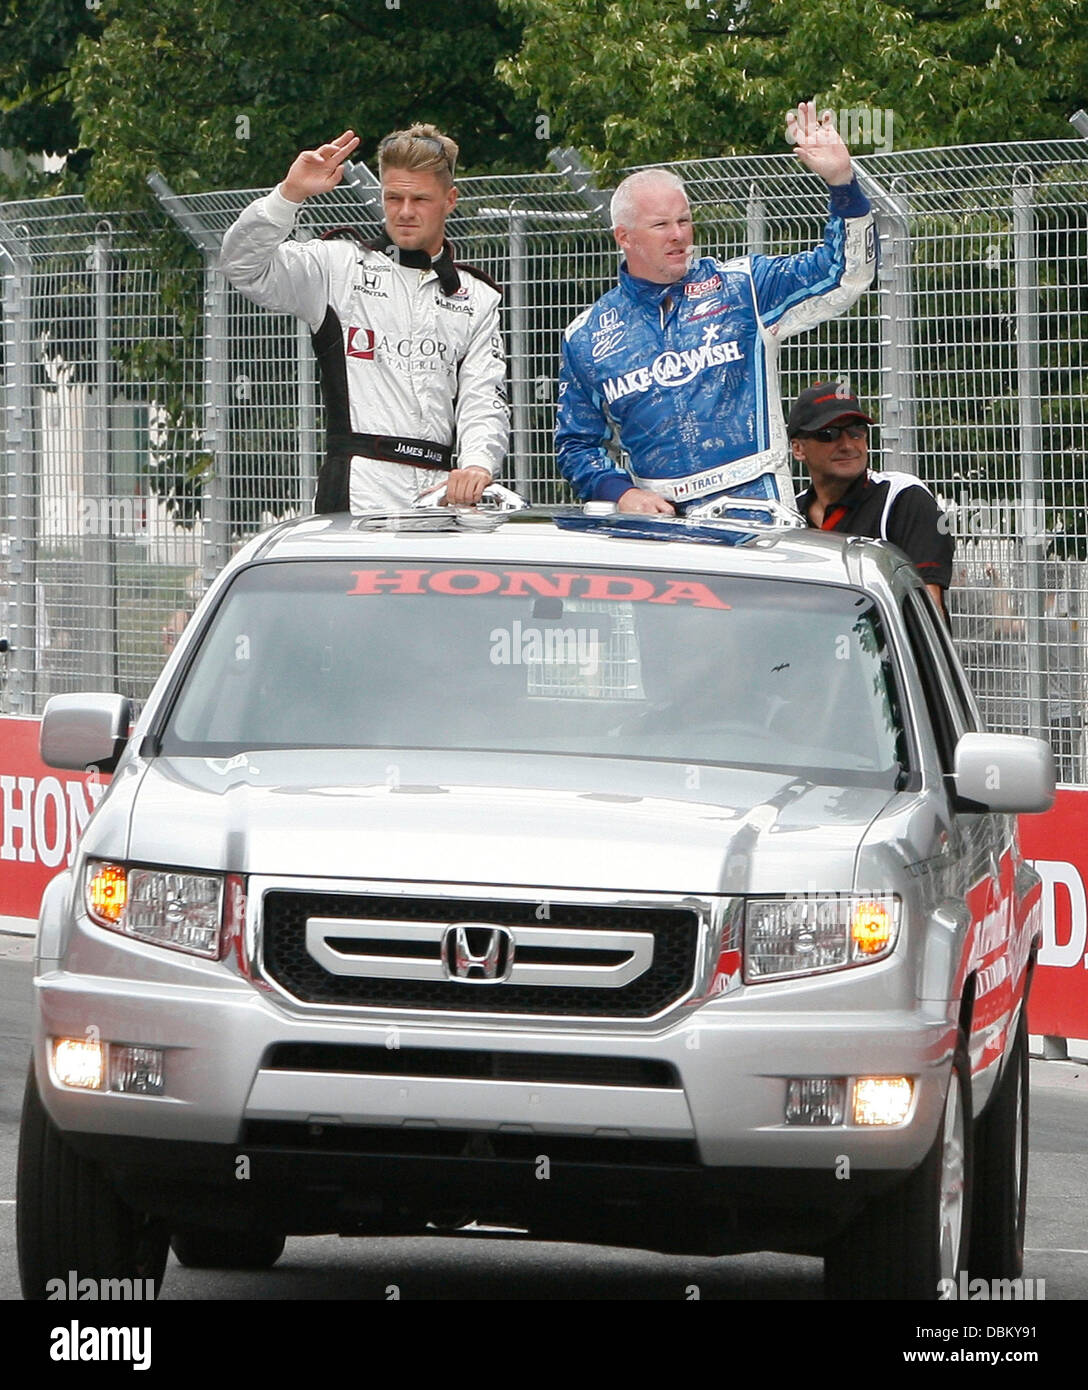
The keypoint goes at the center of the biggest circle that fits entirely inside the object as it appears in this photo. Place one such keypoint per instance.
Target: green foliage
(215, 94)
(643, 81)
(37, 38)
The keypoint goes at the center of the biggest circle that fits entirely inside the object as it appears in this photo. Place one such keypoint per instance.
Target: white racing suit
(411, 357)
(684, 376)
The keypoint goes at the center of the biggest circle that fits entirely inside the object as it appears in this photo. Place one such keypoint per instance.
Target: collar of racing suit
(448, 279)
(442, 264)
(649, 292)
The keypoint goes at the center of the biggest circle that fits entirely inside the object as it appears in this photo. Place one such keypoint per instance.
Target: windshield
(692, 668)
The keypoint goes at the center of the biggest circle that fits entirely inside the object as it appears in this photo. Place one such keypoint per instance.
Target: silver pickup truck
(610, 884)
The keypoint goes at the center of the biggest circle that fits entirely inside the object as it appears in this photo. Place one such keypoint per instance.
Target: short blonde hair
(421, 148)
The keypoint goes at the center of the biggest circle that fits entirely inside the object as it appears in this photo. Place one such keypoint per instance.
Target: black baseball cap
(820, 404)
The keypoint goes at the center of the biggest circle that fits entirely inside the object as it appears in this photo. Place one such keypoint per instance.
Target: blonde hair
(421, 148)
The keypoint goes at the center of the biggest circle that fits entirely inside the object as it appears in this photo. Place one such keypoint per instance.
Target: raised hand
(817, 143)
(317, 171)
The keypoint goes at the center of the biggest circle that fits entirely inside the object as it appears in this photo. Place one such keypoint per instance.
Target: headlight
(181, 911)
(807, 935)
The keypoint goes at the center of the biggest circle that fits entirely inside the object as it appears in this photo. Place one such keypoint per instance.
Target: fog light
(816, 1100)
(882, 1100)
(79, 1062)
(137, 1070)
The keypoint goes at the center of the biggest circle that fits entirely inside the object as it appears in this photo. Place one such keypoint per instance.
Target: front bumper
(668, 1132)
(723, 1066)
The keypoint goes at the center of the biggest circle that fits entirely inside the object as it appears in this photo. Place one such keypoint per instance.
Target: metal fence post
(98, 639)
(307, 416)
(22, 542)
(216, 405)
(583, 182)
(519, 355)
(756, 214)
(894, 278)
(309, 458)
(365, 187)
(1028, 386)
(216, 510)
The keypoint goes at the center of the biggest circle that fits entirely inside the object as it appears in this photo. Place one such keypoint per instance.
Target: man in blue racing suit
(678, 363)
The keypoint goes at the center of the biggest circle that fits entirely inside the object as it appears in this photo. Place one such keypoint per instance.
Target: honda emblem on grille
(477, 953)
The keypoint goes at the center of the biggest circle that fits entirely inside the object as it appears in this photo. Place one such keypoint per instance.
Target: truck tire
(1001, 1171)
(198, 1247)
(907, 1240)
(70, 1222)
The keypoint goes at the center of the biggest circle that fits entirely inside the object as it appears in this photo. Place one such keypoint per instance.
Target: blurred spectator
(176, 623)
(173, 628)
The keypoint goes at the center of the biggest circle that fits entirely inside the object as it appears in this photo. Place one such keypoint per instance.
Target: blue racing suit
(684, 376)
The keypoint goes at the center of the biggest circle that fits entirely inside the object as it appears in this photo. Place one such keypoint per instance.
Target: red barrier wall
(42, 813)
(1057, 843)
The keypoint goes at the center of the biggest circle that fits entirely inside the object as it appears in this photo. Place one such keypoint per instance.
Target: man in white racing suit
(678, 363)
(408, 343)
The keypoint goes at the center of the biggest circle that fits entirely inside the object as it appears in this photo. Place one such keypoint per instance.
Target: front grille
(287, 961)
(472, 1065)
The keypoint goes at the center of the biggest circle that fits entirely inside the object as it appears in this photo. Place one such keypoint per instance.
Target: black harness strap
(390, 448)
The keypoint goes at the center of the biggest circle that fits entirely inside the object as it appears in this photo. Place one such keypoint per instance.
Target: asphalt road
(503, 1268)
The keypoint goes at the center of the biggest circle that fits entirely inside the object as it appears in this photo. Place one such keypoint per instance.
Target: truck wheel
(1001, 1171)
(909, 1239)
(198, 1247)
(69, 1221)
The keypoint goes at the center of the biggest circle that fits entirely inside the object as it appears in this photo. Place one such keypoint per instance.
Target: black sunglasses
(428, 140)
(830, 433)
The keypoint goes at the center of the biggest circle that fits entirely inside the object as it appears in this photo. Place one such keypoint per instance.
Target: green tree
(217, 94)
(214, 93)
(37, 39)
(642, 81)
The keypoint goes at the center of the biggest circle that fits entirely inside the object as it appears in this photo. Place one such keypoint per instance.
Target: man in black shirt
(829, 433)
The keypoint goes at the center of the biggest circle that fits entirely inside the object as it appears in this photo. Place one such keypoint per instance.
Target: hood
(588, 823)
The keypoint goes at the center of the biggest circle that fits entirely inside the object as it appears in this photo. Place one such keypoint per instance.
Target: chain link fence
(150, 417)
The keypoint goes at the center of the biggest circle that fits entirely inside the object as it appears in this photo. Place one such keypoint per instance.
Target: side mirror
(1004, 772)
(82, 731)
